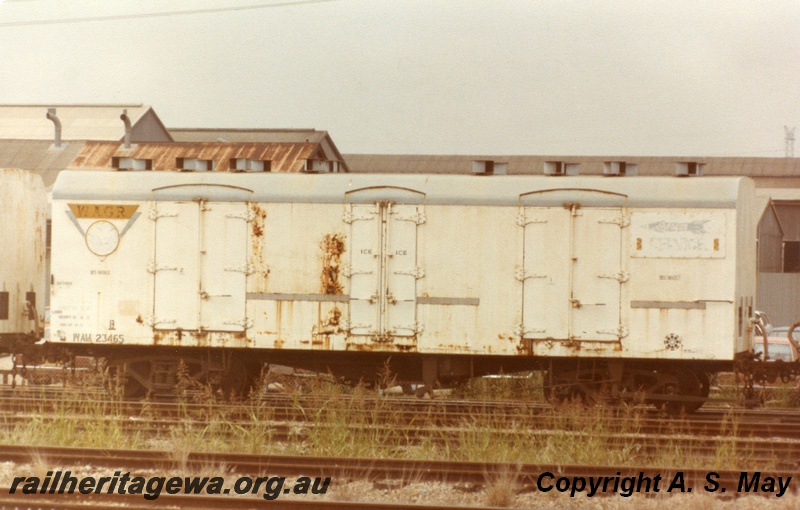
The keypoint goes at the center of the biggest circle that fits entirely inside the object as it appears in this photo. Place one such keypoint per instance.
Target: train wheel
(683, 383)
(237, 379)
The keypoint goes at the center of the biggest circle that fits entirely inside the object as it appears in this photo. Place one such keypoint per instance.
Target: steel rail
(171, 502)
(525, 476)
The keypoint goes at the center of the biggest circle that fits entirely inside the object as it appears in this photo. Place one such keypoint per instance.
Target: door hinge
(522, 220)
(621, 221)
(154, 214)
(348, 326)
(349, 217)
(620, 331)
(523, 274)
(520, 330)
(247, 269)
(153, 268)
(621, 276)
(153, 321)
(248, 216)
(416, 328)
(418, 218)
(245, 323)
(417, 272)
(347, 271)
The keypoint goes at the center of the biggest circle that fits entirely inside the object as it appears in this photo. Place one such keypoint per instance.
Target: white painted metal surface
(401, 271)
(596, 274)
(545, 274)
(440, 264)
(176, 268)
(366, 257)
(22, 258)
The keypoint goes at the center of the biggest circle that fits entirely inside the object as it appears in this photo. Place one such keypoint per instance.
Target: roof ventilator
(560, 168)
(620, 168)
(317, 166)
(688, 168)
(489, 167)
(127, 121)
(195, 164)
(250, 165)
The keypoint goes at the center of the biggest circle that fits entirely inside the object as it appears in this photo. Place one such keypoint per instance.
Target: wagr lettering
(107, 211)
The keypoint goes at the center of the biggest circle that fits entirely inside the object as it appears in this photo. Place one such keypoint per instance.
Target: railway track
(171, 502)
(779, 453)
(525, 477)
(760, 423)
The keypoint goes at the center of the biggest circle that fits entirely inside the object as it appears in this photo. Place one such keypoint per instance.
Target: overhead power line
(117, 17)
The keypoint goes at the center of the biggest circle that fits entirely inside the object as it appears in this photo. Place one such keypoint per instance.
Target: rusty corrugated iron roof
(285, 157)
(225, 135)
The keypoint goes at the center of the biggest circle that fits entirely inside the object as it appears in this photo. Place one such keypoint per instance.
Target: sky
(499, 77)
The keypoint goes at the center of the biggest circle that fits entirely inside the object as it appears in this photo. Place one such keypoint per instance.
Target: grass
(361, 422)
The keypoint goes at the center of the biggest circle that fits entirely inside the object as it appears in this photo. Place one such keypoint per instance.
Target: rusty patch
(258, 220)
(332, 248)
(332, 322)
(257, 246)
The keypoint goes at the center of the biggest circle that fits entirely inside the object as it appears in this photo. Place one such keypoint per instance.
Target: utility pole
(789, 139)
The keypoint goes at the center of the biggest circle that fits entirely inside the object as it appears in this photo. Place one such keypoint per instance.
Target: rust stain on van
(258, 220)
(332, 248)
(257, 242)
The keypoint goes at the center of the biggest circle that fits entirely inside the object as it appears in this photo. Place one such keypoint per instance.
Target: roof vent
(250, 165)
(127, 121)
(560, 168)
(688, 168)
(314, 166)
(51, 114)
(489, 167)
(125, 163)
(620, 168)
(194, 164)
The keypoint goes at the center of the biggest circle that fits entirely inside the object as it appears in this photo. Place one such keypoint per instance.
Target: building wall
(770, 243)
(779, 297)
(149, 129)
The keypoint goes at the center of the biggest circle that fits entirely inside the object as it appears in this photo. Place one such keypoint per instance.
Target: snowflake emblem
(673, 342)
